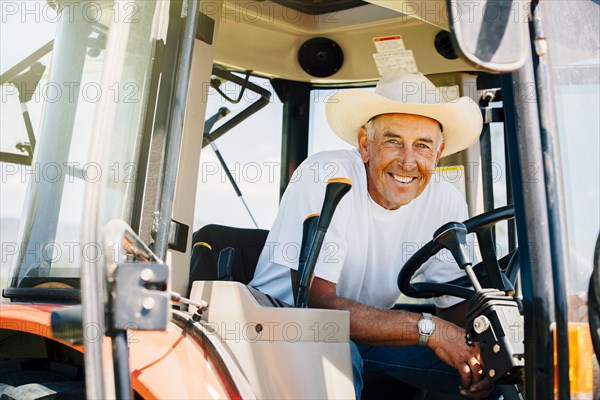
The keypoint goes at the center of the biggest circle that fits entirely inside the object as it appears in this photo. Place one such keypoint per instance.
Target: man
(400, 131)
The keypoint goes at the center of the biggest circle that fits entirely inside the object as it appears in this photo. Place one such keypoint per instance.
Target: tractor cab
(146, 145)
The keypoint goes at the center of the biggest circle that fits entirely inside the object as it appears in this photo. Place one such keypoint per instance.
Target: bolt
(148, 303)
(496, 348)
(492, 373)
(146, 274)
(258, 328)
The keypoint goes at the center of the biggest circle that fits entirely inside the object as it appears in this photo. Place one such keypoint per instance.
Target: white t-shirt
(366, 245)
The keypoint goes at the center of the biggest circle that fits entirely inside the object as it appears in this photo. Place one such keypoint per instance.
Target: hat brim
(347, 111)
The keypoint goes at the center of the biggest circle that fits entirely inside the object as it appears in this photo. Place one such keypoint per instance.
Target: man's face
(400, 157)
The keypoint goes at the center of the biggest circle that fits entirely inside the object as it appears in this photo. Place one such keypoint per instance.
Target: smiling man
(400, 152)
(396, 203)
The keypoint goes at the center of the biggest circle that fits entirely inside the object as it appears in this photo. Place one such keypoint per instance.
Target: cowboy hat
(400, 91)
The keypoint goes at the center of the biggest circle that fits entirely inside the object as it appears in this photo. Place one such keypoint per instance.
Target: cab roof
(266, 36)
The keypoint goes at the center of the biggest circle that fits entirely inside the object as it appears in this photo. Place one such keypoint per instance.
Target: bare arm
(379, 327)
(363, 319)
(368, 325)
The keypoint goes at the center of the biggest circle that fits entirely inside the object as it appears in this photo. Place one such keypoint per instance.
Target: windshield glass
(15, 142)
(47, 252)
(574, 48)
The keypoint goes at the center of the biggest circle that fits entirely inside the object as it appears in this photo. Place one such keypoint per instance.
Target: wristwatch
(426, 326)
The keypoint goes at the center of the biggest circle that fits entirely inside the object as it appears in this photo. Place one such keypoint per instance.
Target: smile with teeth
(403, 179)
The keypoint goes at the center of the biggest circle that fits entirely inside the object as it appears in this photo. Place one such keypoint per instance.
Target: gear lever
(453, 236)
(336, 189)
(309, 227)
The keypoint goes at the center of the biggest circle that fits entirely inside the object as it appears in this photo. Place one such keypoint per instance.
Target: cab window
(252, 153)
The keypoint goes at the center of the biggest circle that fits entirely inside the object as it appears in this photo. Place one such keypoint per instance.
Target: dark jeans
(415, 365)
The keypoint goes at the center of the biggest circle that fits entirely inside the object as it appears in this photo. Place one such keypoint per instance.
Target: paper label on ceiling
(389, 43)
(395, 59)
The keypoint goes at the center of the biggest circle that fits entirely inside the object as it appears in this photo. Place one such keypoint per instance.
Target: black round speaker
(320, 57)
(443, 45)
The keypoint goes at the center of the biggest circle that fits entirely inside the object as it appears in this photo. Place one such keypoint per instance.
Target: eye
(392, 141)
(423, 146)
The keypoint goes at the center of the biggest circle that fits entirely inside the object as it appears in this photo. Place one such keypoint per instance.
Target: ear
(363, 144)
(439, 153)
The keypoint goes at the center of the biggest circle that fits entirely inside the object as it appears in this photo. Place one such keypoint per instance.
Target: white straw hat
(400, 91)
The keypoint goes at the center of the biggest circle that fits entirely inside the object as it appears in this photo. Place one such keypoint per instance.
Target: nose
(406, 158)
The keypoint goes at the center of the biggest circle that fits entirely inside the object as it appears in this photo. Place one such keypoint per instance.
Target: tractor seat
(247, 244)
(210, 240)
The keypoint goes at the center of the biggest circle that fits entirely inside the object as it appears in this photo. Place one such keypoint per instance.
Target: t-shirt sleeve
(303, 197)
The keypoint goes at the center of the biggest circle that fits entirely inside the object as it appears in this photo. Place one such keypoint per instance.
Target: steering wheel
(491, 272)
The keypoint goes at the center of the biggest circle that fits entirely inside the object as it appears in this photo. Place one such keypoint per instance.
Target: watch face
(426, 326)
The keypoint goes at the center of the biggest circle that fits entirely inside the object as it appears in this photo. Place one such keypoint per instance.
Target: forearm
(374, 326)
(381, 327)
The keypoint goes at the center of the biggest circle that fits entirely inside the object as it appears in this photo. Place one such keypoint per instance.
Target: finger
(475, 395)
(482, 385)
(465, 375)
(479, 389)
(476, 370)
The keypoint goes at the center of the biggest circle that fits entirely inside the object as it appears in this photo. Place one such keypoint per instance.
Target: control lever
(453, 236)
(309, 227)
(335, 191)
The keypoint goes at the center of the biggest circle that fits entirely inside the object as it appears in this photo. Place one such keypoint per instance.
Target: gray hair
(372, 125)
